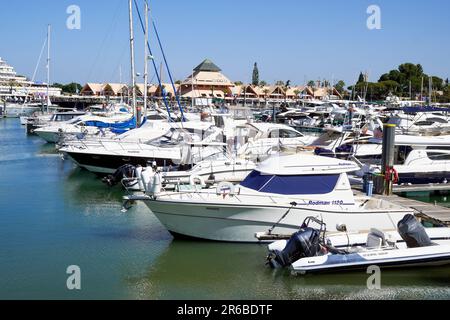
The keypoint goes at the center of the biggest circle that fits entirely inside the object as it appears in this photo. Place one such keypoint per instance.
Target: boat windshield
(291, 185)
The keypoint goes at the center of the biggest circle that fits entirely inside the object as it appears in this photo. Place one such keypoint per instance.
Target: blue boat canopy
(418, 109)
(291, 185)
(129, 124)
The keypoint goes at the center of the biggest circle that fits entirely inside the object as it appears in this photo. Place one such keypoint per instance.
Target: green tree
(361, 78)
(238, 83)
(255, 77)
(279, 83)
(262, 83)
(340, 86)
(311, 83)
(72, 88)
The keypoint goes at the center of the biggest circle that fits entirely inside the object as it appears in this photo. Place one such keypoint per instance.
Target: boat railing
(240, 197)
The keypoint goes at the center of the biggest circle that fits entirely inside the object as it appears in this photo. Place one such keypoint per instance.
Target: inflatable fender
(156, 186)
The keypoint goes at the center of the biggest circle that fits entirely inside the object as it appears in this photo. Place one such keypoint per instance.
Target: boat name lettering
(326, 203)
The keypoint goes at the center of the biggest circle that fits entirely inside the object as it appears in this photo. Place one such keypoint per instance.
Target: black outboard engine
(324, 153)
(304, 243)
(125, 171)
(414, 234)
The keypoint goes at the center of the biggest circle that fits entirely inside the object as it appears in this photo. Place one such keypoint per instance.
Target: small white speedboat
(310, 251)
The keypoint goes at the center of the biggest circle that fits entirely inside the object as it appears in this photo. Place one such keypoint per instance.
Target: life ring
(225, 189)
(193, 179)
(391, 174)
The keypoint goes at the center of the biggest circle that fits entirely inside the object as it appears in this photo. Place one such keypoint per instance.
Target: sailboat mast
(133, 73)
(48, 65)
(120, 81)
(146, 60)
(430, 89)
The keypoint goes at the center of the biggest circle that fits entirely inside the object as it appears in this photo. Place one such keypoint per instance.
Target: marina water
(54, 215)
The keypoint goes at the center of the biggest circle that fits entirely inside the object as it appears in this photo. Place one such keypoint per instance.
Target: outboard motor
(304, 243)
(413, 233)
(125, 171)
(324, 153)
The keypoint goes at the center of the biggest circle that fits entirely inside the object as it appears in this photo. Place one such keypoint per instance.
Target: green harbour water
(54, 215)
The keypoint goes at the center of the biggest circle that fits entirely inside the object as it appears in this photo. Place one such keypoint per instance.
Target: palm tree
(297, 92)
(266, 92)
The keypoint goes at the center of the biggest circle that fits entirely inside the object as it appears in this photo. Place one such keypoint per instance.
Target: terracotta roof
(93, 87)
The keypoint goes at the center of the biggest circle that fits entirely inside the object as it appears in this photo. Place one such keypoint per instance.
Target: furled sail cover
(291, 185)
(129, 124)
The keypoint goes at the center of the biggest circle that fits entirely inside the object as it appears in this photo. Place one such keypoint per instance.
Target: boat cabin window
(401, 154)
(424, 123)
(436, 156)
(283, 133)
(291, 185)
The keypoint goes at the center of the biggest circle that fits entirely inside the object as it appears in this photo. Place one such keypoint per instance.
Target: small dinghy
(311, 250)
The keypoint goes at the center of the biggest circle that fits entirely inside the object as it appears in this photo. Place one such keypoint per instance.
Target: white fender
(193, 179)
(147, 179)
(139, 171)
(225, 188)
(156, 186)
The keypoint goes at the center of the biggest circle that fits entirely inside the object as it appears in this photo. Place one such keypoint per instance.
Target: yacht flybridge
(278, 194)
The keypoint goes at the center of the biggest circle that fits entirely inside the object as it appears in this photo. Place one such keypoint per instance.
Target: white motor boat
(418, 159)
(176, 147)
(281, 191)
(86, 125)
(49, 119)
(203, 174)
(310, 250)
(16, 110)
(262, 138)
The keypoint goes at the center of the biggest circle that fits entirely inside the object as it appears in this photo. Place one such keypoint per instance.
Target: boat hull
(240, 223)
(50, 137)
(423, 177)
(108, 164)
(406, 258)
(20, 111)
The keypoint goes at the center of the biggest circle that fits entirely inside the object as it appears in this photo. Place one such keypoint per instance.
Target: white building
(12, 85)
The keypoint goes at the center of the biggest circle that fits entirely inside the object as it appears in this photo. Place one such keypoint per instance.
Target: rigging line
(106, 37)
(154, 65)
(168, 71)
(119, 63)
(39, 60)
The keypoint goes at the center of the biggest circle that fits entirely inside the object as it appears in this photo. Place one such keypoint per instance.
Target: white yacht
(423, 123)
(417, 160)
(278, 194)
(188, 145)
(45, 120)
(17, 110)
(85, 125)
(262, 138)
(204, 174)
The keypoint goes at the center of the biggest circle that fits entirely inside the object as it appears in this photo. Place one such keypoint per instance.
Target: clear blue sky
(290, 39)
